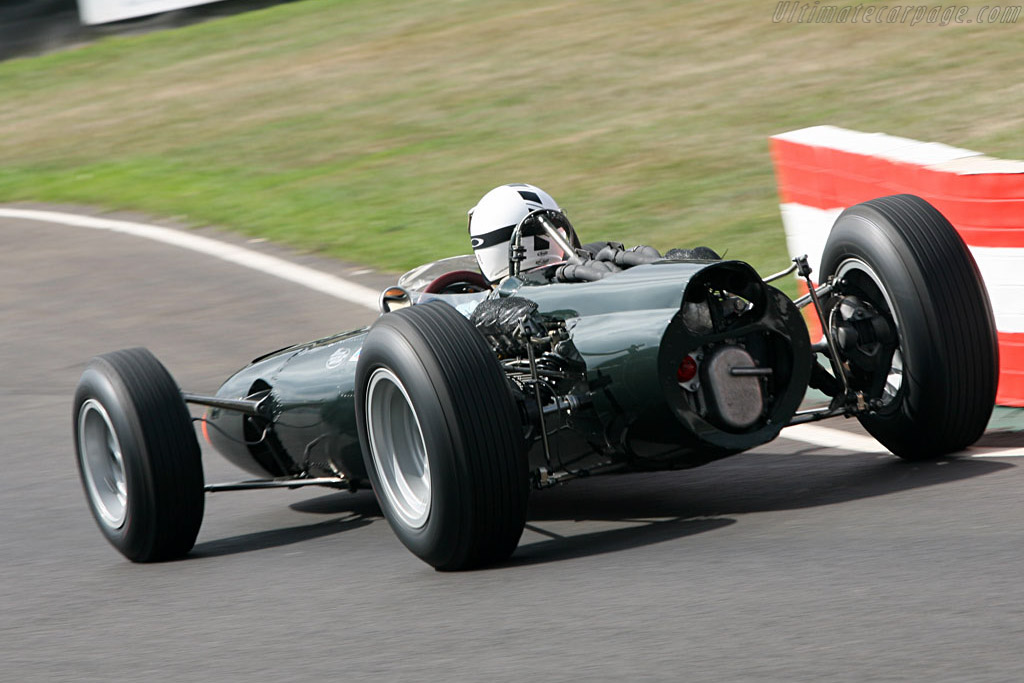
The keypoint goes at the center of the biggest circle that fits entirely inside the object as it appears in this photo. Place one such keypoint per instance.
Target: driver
(492, 221)
(495, 217)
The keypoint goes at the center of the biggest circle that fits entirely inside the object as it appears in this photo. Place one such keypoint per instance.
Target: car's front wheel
(138, 456)
(936, 361)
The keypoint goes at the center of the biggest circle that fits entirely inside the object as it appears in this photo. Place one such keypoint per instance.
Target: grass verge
(364, 129)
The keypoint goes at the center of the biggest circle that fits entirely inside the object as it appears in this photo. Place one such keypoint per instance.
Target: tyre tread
(171, 462)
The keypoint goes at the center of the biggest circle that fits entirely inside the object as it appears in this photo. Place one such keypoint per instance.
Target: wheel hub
(102, 464)
(398, 449)
(863, 324)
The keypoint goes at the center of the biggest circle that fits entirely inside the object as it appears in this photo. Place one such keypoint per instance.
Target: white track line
(270, 265)
(1004, 453)
(826, 437)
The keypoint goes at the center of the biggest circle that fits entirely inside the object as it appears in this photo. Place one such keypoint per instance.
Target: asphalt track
(791, 562)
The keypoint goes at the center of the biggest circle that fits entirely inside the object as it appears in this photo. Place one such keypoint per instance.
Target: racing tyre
(138, 456)
(902, 257)
(442, 438)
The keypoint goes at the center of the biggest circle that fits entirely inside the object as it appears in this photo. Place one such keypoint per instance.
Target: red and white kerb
(824, 169)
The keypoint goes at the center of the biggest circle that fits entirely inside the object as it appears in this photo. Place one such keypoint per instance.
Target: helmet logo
(492, 238)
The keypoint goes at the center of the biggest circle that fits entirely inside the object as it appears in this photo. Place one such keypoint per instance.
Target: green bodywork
(630, 333)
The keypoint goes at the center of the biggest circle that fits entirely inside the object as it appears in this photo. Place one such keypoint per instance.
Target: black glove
(627, 258)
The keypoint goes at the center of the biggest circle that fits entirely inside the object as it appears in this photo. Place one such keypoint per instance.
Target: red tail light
(687, 370)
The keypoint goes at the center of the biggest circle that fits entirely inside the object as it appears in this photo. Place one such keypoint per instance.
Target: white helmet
(492, 221)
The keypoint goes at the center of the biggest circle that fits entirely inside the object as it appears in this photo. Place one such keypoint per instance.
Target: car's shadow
(663, 506)
(640, 532)
(274, 538)
(748, 483)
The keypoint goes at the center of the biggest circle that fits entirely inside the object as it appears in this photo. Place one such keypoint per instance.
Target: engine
(712, 361)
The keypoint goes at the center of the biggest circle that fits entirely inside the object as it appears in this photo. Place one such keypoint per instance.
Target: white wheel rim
(894, 379)
(102, 464)
(398, 449)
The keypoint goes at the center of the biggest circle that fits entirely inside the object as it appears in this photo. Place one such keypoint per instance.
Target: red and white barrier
(824, 169)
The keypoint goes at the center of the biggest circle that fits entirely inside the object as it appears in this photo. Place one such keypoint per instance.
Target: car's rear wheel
(442, 438)
(138, 456)
(900, 258)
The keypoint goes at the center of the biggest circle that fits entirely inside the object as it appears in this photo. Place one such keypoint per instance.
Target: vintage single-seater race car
(463, 397)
